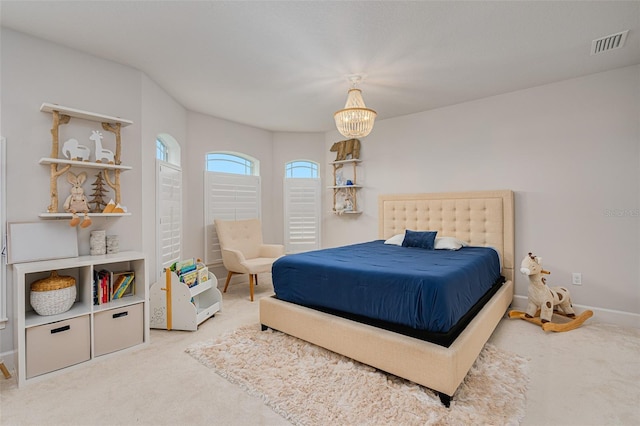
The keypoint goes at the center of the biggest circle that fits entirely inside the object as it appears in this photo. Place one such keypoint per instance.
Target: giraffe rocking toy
(546, 301)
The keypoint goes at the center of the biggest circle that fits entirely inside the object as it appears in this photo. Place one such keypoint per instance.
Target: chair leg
(256, 279)
(251, 285)
(227, 283)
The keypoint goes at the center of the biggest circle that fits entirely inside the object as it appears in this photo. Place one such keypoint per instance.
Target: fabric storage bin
(118, 328)
(57, 345)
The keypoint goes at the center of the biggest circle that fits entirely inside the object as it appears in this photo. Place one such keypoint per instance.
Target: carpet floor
(309, 385)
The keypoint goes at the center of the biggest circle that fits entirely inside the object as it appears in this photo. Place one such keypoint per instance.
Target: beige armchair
(243, 251)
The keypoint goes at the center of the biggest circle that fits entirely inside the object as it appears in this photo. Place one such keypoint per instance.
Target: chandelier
(355, 120)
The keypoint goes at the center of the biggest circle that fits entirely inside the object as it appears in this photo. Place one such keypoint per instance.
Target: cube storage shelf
(48, 344)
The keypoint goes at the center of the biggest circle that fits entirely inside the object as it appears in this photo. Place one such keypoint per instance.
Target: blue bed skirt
(430, 290)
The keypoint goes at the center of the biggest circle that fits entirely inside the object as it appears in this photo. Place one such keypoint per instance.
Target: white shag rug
(309, 385)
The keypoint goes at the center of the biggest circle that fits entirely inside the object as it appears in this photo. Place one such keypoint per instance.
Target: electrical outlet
(576, 278)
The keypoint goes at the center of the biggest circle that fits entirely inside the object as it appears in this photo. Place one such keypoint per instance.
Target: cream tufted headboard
(482, 218)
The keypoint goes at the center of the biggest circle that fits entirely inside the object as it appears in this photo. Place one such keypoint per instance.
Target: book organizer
(188, 296)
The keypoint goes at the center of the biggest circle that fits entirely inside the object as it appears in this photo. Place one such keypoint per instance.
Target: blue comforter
(422, 289)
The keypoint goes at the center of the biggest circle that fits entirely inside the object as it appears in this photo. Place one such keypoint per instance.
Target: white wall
(161, 114)
(35, 71)
(570, 151)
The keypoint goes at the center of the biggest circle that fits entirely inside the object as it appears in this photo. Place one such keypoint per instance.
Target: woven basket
(53, 295)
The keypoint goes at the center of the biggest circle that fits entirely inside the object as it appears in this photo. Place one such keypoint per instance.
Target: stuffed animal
(77, 201)
(540, 295)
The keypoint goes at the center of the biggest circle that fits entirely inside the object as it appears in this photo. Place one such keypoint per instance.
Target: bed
(481, 218)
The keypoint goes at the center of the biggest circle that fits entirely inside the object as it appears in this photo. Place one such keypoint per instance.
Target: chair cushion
(259, 264)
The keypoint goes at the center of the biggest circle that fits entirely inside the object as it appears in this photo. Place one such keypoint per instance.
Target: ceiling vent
(610, 42)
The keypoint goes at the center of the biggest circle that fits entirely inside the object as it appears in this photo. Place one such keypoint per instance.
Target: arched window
(228, 162)
(162, 151)
(168, 149)
(301, 169)
(231, 192)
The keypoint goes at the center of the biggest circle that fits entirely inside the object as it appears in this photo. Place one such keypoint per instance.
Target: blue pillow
(421, 239)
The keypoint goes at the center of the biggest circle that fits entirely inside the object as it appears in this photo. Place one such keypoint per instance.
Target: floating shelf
(357, 160)
(64, 215)
(345, 186)
(87, 164)
(346, 212)
(86, 115)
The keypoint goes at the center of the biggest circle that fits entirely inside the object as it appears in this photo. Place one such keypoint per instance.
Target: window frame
(254, 162)
(162, 150)
(291, 166)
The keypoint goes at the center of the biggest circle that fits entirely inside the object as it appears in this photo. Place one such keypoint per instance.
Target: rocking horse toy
(545, 301)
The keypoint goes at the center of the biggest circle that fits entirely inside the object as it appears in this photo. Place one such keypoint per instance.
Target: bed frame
(482, 218)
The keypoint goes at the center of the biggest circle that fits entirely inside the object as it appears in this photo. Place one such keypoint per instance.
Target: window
(231, 192)
(162, 151)
(302, 195)
(226, 162)
(301, 169)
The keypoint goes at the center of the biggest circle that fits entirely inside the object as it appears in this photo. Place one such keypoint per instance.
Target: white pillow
(449, 243)
(396, 240)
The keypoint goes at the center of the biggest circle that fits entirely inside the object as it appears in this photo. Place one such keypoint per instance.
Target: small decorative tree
(98, 195)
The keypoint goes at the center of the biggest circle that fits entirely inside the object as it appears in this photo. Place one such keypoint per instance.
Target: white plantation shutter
(3, 236)
(170, 211)
(228, 197)
(301, 214)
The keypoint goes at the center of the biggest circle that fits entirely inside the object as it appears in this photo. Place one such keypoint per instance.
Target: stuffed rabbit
(77, 202)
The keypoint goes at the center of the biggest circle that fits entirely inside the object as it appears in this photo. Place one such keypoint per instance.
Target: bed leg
(445, 399)
(263, 327)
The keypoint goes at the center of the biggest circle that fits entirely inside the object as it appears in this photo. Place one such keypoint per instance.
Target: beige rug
(309, 385)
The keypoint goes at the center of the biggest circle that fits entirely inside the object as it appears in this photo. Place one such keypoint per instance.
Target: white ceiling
(281, 65)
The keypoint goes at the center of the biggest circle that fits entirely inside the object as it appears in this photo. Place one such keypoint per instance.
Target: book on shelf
(190, 278)
(190, 271)
(123, 285)
(203, 273)
(101, 287)
(109, 286)
(183, 265)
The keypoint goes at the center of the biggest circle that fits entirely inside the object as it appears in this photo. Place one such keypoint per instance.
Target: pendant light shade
(355, 120)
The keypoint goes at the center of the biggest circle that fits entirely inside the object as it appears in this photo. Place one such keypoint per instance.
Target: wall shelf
(69, 215)
(356, 160)
(85, 115)
(87, 164)
(345, 192)
(109, 172)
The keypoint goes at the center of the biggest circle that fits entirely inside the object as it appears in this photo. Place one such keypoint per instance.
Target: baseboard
(611, 316)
